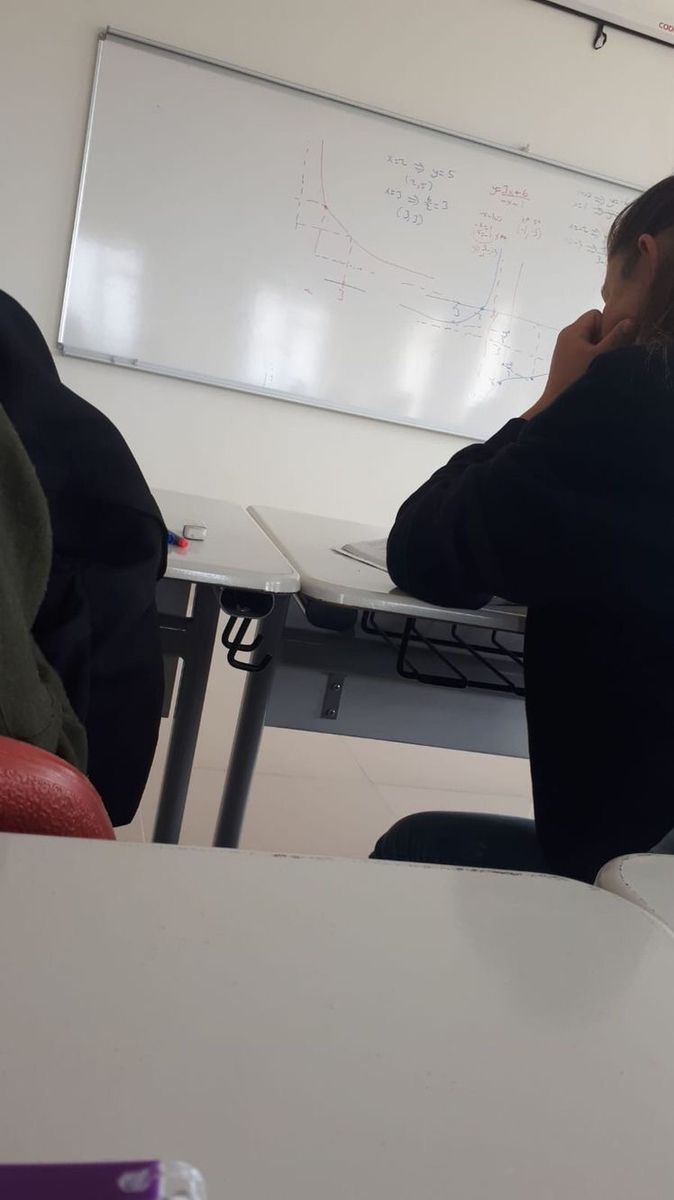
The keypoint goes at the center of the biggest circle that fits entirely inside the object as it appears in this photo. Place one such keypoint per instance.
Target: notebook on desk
(373, 553)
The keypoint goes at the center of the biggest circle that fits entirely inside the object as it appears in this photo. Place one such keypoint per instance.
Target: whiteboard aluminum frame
(230, 385)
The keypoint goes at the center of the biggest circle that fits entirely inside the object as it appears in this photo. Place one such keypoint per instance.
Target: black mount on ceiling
(600, 37)
(602, 26)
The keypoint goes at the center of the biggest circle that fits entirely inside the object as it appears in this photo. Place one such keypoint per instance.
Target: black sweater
(98, 624)
(572, 514)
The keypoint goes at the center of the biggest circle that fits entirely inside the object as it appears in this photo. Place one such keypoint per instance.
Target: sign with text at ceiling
(651, 18)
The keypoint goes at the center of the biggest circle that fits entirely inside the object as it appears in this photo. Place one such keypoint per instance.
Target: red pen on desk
(174, 539)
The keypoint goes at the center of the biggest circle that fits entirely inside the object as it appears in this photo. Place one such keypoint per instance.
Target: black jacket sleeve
(126, 669)
(514, 516)
(434, 549)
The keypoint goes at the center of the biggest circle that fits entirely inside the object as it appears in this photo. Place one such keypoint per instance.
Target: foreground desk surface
(309, 543)
(646, 880)
(304, 1029)
(235, 553)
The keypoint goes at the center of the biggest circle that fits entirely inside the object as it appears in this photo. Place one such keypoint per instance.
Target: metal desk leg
(195, 637)
(249, 730)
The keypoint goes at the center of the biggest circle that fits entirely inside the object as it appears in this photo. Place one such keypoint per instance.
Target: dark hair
(652, 212)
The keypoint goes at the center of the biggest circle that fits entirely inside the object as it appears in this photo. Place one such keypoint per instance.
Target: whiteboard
(647, 17)
(244, 233)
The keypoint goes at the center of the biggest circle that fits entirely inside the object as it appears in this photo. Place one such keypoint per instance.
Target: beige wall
(509, 70)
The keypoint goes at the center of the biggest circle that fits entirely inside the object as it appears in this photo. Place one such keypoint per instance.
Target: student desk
(644, 879)
(237, 568)
(300, 1028)
(346, 680)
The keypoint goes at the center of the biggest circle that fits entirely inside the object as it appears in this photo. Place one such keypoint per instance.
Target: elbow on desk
(421, 577)
(397, 559)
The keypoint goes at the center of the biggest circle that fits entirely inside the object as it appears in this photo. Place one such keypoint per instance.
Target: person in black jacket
(570, 510)
(97, 625)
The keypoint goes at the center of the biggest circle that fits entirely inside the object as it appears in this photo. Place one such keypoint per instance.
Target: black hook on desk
(232, 640)
(243, 607)
(236, 642)
(600, 37)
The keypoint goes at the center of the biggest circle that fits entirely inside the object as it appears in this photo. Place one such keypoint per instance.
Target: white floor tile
(135, 832)
(343, 818)
(312, 755)
(202, 807)
(434, 767)
(221, 709)
(324, 794)
(148, 805)
(402, 801)
(293, 815)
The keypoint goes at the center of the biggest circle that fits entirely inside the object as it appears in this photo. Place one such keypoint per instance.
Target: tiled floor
(323, 794)
(317, 793)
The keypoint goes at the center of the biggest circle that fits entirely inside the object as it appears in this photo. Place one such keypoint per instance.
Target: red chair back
(40, 793)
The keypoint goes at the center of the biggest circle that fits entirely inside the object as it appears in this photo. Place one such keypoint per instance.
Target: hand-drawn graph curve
(517, 347)
(256, 236)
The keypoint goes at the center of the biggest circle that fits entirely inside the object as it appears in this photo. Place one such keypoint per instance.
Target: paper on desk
(373, 554)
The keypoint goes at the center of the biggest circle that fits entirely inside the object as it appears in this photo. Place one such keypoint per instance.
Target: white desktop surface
(235, 553)
(644, 879)
(305, 1029)
(309, 543)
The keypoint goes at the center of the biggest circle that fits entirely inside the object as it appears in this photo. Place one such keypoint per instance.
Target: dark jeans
(464, 840)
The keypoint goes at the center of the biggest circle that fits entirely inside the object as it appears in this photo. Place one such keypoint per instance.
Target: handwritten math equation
(600, 204)
(417, 190)
(492, 229)
(588, 231)
(589, 239)
(414, 191)
(470, 282)
(505, 193)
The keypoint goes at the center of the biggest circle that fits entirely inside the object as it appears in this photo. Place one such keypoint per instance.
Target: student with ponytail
(570, 510)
